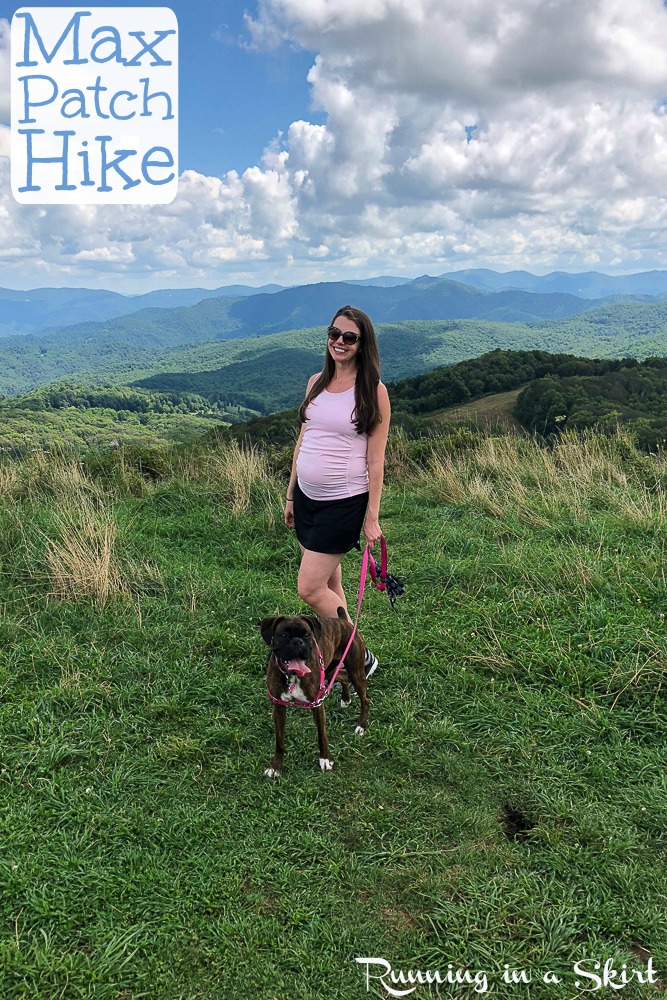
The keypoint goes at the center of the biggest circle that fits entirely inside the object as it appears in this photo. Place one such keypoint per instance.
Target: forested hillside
(631, 394)
(496, 371)
(559, 391)
(207, 337)
(268, 373)
(71, 416)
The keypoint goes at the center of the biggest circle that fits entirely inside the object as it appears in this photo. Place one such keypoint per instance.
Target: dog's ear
(315, 625)
(267, 627)
(342, 613)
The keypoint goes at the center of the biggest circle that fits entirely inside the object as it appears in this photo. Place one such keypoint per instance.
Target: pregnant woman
(338, 466)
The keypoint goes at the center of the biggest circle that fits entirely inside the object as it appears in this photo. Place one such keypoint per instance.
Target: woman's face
(344, 353)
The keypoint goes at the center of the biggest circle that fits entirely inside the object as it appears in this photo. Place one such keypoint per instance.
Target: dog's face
(292, 642)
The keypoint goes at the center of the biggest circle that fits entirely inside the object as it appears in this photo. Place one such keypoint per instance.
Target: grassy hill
(507, 806)
(497, 409)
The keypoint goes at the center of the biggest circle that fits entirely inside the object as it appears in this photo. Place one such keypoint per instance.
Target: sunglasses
(334, 333)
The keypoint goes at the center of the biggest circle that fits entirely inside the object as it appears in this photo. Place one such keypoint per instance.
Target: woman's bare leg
(320, 586)
(319, 582)
(335, 584)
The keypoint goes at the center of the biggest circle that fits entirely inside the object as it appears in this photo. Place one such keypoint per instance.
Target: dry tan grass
(81, 537)
(62, 477)
(81, 559)
(399, 463)
(484, 497)
(239, 473)
(75, 549)
(70, 677)
(10, 478)
(643, 506)
(80, 555)
(450, 478)
(515, 475)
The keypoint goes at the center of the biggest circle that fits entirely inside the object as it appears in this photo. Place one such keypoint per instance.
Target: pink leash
(325, 688)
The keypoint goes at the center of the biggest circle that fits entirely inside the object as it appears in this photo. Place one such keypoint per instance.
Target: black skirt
(331, 526)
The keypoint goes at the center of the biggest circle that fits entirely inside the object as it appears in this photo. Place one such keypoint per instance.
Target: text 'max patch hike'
(94, 105)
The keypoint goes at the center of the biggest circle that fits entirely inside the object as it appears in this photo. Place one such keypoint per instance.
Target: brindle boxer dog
(293, 673)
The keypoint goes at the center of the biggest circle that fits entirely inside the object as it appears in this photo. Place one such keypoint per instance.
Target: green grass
(497, 408)
(507, 805)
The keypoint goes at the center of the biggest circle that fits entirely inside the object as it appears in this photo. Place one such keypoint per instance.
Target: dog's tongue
(297, 667)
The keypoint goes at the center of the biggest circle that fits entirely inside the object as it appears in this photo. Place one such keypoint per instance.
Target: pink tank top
(332, 462)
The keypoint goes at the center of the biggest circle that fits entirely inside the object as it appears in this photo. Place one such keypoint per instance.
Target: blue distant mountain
(477, 293)
(424, 298)
(384, 281)
(41, 310)
(587, 285)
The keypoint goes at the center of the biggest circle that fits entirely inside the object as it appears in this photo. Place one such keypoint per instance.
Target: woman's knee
(308, 590)
(316, 574)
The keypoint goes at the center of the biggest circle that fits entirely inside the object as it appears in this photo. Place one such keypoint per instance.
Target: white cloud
(570, 145)
(566, 167)
(106, 255)
(482, 49)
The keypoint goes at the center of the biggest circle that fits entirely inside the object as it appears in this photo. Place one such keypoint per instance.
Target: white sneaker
(371, 664)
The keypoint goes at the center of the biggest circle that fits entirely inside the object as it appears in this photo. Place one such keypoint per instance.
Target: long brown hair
(366, 413)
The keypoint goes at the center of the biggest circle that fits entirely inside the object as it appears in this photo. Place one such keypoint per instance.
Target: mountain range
(44, 310)
(587, 285)
(424, 298)
(255, 350)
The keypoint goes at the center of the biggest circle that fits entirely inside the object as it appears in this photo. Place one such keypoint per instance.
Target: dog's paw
(271, 773)
(345, 704)
(326, 764)
(360, 731)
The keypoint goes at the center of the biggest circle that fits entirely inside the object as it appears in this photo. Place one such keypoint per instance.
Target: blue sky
(234, 98)
(324, 139)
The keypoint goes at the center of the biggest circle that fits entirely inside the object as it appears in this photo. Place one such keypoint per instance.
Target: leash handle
(382, 584)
